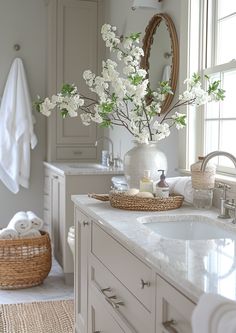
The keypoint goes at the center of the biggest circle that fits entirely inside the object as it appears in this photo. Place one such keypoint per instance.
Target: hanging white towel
(214, 314)
(16, 130)
(166, 73)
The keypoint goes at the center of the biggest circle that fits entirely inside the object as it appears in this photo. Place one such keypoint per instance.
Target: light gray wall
(119, 13)
(25, 22)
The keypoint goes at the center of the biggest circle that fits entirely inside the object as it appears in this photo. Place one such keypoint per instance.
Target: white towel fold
(16, 130)
(8, 233)
(36, 222)
(30, 234)
(214, 314)
(171, 181)
(20, 222)
(183, 186)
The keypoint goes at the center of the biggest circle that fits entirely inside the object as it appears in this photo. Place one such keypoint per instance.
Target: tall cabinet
(72, 48)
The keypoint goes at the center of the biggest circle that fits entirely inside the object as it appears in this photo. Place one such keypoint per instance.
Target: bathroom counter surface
(75, 168)
(193, 266)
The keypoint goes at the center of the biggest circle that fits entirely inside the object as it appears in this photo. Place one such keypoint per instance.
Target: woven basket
(24, 262)
(128, 202)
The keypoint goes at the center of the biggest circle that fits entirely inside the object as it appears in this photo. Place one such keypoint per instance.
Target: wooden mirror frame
(147, 43)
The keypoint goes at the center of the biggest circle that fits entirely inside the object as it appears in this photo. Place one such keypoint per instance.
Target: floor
(53, 288)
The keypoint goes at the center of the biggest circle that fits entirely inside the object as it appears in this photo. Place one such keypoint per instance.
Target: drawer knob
(85, 223)
(97, 332)
(168, 326)
(77, 152)
(143, 284)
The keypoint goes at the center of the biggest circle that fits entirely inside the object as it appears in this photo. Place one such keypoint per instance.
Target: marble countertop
(193, 266)
(83, 168)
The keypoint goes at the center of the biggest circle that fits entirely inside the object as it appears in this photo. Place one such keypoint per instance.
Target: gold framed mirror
(161, 54)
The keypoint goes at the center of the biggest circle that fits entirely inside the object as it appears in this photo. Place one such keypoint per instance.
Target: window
(214, 126)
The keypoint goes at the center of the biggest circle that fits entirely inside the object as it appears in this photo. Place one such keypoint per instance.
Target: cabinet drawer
(101, 320)
(124, 265)
(130, 308)
(172, 309)
(76, 153)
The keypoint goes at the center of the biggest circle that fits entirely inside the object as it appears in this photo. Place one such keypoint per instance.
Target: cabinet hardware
(77, 152)
(113, 304)
(97, 332)
(168, 325)
(55, 177)
(112, 297)
(143, 284)
(119, 303)
(108, 289)
(85, 223)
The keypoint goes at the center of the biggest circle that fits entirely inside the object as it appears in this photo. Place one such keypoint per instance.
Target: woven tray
(24, 262)
(127, 202)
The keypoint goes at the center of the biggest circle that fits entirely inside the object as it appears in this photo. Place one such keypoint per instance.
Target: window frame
(192, 140)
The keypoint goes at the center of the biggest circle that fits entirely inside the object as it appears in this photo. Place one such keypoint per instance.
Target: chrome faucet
(111, 160)
(225, 205)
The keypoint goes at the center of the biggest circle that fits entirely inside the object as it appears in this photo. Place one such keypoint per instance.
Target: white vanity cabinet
(123, 293)
(82, 247)
(58, 207)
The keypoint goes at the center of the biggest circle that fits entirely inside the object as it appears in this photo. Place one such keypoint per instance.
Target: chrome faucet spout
(109, 140)
(214, 154)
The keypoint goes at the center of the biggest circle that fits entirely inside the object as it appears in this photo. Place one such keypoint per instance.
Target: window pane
(228, 140)
(226, 7)
(226, 47)
(212, 136)
(228, 106)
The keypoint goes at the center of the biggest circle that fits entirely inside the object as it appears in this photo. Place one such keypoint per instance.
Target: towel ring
(16, 47)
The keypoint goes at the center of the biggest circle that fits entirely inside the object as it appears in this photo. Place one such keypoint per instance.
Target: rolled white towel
(184, 187)
(8, 233)
(214, 314)
(171, 181)
(36, 222)
(30, 234)
(20, 222)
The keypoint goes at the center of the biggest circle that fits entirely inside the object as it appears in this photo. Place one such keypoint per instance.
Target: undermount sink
(186, 227)
(86, 166)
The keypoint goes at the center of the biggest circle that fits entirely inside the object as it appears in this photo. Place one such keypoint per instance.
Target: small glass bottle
(146, 183)
(162, 188)
(202, 198)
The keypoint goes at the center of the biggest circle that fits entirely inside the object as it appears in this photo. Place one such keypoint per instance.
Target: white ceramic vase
(143, 157)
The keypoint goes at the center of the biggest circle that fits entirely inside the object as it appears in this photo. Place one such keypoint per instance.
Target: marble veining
(193, 266)
(75, 168)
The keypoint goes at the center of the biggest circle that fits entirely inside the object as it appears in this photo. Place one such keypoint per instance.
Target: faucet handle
(224, 186)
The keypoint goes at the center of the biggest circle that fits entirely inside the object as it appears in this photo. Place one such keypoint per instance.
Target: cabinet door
(57, 217)
(82, 240)
(173, 310)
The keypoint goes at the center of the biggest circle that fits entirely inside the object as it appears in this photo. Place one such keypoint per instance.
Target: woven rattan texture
(128, 202)
(37, 317)
(24, 262)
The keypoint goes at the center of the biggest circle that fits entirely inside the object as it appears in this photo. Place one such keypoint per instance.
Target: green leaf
(67, 89)
(134, 36)
(106, 123)
(136, 79)
(196, 77)
(64, 113)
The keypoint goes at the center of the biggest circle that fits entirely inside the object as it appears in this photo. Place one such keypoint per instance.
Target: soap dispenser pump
(162, 188)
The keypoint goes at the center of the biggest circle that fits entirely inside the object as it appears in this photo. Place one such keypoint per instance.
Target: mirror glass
(161, 54)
